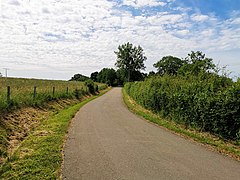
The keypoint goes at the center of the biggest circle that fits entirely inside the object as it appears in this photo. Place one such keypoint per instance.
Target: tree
(0, 74)
(130, 58)
(121, 76)
(169, 65)
(151, 73)
(79, 77)
(107, 75)
(94, 76)
(197, 63)
(138, 76)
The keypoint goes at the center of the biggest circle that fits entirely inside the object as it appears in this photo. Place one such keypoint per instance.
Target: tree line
(189, 90)
(130, 62)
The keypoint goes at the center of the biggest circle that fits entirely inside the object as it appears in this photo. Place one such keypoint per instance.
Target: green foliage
(131, 59)
(209, 104)
(151, 73)
(114, 78)
(90, 85)
(79, 93)
(79, 77)
(101, 86)
(194, 64)
(219, 145)
(121, 76)
(108, 76)
(94, 76)
(197, 63)
(169, 65)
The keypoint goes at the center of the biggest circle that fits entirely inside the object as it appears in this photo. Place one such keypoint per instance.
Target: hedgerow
(208, 103)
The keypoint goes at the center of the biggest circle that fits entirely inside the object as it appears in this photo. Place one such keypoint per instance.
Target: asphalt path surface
(107, 141)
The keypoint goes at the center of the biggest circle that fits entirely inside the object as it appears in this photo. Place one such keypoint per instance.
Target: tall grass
(40, 156)
(22, 91)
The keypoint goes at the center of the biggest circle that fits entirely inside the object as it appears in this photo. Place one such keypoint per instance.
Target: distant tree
(151, 73)
(0, 74)
(130, 59)
(197, 63)
(121, 76)
(94, 76)
(169, 65)
(79, 77)
(107, 75)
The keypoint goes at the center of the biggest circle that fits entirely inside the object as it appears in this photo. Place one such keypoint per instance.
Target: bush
(90, 85)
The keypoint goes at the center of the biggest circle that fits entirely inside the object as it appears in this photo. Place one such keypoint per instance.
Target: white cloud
(143, 3)
(166, 18)
(236, 21)
(183, 32)
(14, 2)
(60, 38)
(199, 17)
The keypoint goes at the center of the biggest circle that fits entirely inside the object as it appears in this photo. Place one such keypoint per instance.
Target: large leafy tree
(197, 63)
(130, 59)
(169, 65)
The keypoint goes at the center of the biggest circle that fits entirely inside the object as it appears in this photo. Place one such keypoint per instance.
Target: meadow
(22, 91)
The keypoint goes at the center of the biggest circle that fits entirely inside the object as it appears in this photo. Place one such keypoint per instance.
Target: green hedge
(210, 103)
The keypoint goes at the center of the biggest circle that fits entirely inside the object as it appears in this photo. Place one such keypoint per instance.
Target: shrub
(90, 85)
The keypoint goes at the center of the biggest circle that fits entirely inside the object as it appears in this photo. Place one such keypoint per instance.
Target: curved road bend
(107, 141)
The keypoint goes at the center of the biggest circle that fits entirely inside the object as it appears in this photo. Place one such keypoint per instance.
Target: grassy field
(22, 91)
(23, 112)
(40, 155)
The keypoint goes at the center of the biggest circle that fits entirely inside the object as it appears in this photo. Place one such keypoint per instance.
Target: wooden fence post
(67, 90)
(8, 93)
(34, 92)
(53, 91)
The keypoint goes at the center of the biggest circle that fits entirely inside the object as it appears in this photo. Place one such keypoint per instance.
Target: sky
(55, 39)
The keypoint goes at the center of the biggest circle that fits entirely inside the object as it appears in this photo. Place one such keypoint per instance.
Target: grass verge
(40, 155)
(212, 142)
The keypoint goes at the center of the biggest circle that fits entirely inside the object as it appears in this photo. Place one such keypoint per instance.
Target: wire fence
(14, 97)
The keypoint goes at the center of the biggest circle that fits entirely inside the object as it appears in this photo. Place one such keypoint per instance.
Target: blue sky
(55, 39)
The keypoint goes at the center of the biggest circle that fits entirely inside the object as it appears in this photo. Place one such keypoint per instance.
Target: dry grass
(22, 91)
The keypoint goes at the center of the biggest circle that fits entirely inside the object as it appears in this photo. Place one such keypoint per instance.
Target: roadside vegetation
(209, 104)
(31, 102)
(35, 92)
(39, 156)
(214, 143)
(190, 92)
